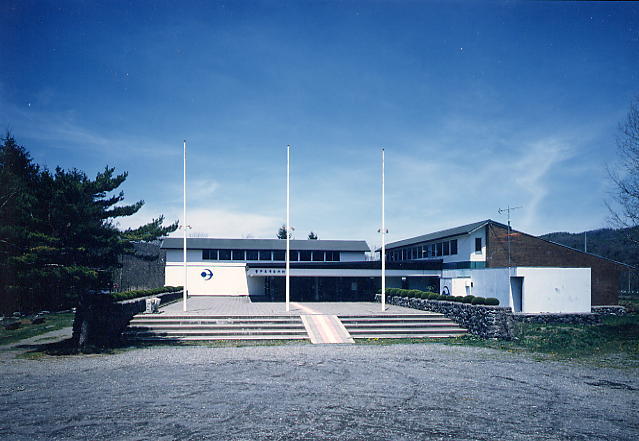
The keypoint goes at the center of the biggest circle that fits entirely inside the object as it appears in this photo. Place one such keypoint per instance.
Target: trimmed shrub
(134, 294)
(467, 299)
(433, 296)
(416, 293)
(478, 301)
(443, 297)
(492, 301)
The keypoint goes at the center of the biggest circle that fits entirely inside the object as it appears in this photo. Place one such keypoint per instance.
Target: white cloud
(211, 222)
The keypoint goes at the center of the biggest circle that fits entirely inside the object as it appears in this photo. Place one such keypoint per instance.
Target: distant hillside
(606, 242)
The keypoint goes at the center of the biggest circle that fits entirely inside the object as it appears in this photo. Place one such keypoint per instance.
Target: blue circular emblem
(207, 274)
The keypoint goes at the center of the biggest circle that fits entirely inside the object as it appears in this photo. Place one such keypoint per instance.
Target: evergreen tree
(57, 232)
(281, 233)
(312, 236)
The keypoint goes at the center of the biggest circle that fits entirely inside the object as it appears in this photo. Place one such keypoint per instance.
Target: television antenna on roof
(508, 210)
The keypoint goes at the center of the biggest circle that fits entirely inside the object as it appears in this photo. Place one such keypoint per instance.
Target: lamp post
(185, 227)
(288, 226)
(383, 253)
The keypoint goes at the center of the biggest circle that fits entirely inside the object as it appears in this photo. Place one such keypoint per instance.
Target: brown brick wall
(527, 250)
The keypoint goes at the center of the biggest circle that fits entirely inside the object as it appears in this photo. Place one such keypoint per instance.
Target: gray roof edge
(266, 244)
(449, 232)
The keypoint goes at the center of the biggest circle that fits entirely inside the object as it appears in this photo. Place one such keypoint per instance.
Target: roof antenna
(508, 210)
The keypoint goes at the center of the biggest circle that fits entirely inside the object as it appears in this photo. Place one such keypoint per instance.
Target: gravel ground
(397, 392)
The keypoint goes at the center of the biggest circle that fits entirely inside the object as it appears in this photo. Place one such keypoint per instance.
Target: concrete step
(212, 317)
(210, 333)
(392, 316)
(416, 335)
(175, 327)
(413, 325)
(388, 331)
(205, 338)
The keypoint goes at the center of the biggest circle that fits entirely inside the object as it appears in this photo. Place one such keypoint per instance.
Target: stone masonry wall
(481, 320)
(495, 321)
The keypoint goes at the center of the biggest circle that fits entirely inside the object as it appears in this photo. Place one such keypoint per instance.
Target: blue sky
(478, 105)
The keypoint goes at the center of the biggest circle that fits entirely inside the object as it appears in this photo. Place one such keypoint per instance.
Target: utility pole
(508, 210)
(585, 241)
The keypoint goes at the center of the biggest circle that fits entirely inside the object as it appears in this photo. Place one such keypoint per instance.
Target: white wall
(229, 279)
(555, 289)
(351, 256)
(552, 290)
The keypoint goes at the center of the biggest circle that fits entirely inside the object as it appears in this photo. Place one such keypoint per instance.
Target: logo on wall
(207, 274)
(445, 291)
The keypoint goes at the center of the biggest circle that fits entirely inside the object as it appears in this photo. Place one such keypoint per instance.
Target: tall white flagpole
(185, 227)
(288, 227)
(383, 256)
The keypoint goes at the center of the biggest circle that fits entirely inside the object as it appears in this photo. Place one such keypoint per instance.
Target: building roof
(265, 244)
(450, 232)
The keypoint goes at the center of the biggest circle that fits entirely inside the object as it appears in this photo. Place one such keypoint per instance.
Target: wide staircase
(401, 326)
(159, 327)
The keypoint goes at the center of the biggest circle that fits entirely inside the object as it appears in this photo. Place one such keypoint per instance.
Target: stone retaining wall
(481, 320)
(585, 318)
(99, 321)
(498, 321)
(609, 310)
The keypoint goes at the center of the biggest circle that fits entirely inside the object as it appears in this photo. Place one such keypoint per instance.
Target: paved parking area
(315, 392)
(244, 306)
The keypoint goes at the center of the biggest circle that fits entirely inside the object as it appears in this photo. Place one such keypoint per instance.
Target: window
(453, 247)
(318, 256)
(225, 254)
(424, 251)
(251, 255)
(209, 254)
(446, 248)
(439, 248)
(433, 250)
(478, 244)
(280, 255)
(238, 254)
(295, 256)
(305, 256)
(265, 255)
(332, 256)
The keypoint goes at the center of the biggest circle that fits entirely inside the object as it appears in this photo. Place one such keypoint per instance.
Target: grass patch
(614, 342)
(615, 338)
(27, 330)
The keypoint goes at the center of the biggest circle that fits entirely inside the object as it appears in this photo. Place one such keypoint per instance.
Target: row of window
(436, 249)
(277, 255)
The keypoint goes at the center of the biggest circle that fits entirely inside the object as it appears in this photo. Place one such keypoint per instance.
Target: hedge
(415, 293)
(134, 294)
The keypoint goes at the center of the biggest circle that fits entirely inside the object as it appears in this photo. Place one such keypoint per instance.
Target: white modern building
(484, 259)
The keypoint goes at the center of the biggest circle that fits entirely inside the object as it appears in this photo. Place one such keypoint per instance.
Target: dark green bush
(492, 301)
(433, 296)
(467, 299)
(478, 301)
(134, 294)
(424, 295)
(416, 293)
(442, 297)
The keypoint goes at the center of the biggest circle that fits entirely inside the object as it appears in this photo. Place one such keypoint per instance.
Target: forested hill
(606, 242)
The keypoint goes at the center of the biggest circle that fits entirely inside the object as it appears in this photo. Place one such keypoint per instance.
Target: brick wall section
(527, 250)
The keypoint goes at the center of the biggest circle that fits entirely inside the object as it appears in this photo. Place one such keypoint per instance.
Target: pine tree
(57, 234)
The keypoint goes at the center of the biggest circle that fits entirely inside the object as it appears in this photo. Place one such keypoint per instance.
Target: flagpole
(288, 227)
(184, 226)
(383, 255)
